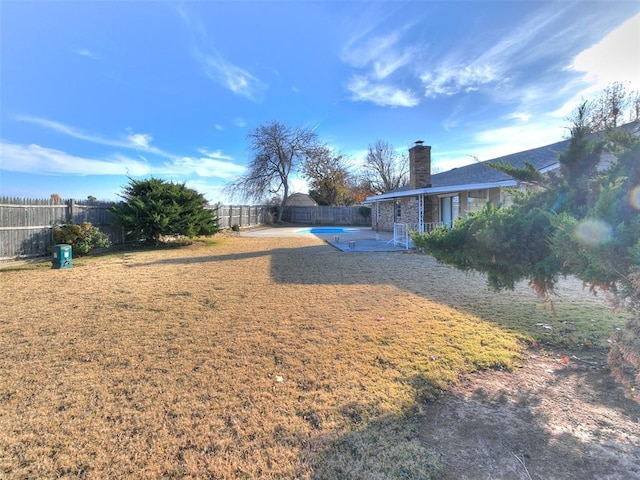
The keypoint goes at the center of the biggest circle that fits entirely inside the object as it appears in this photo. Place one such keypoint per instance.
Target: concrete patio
(352, 239)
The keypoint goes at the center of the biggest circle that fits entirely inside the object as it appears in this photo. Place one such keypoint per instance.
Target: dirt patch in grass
(256, 358)
(560, 416)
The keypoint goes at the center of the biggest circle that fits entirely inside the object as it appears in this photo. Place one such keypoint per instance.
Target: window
(398, 209)
(449, 210)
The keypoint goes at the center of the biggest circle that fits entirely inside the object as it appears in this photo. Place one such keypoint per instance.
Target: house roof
(301, 200)
(481, 175)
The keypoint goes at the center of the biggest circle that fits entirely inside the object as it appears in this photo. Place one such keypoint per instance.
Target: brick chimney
(419, 166)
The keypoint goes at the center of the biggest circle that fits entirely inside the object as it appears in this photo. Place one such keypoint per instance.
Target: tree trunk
(283, 203)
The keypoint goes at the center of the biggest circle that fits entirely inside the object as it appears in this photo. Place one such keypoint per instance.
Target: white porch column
(421, 213)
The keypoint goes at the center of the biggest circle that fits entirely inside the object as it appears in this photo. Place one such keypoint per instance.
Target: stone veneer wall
(409, 212)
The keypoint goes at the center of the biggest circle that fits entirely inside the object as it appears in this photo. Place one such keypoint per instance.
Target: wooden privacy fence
(324, 215)
(26, 224)
(243, 216)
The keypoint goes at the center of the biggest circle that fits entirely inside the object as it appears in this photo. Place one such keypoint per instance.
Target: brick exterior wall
(419, 166)
(409, 209)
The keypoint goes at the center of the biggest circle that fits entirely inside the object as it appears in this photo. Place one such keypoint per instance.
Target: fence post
(71, 210)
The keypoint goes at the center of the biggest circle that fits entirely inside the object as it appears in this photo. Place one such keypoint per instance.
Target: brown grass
(251, 358)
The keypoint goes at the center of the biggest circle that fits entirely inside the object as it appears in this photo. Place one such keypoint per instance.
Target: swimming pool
(327, 230)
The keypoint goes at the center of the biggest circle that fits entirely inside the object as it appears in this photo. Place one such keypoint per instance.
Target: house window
(398, 209)
(449, 210)
(477, 199)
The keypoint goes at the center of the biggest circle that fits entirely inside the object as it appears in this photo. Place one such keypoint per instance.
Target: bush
(82, 237)
(154, 209)
(235, 227)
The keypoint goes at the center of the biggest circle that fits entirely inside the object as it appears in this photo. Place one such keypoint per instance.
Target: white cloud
(298, 185)
(232, 77)
(36, 159)
(49, 161)
(521, 116)
(614, 59)
(218, 127)
(202, 167)
(380, 53)
(496, 142)
(217, 154)
(133, 141)
(84, 52)
(141, 140)
(383, 95)
(452, 80)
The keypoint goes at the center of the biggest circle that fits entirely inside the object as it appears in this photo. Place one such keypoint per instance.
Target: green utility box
(62, 256)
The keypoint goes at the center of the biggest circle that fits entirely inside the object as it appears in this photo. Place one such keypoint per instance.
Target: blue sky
(91, 92)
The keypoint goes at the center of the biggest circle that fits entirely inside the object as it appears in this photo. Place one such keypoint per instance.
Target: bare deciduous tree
(278, 151)
(384, 169)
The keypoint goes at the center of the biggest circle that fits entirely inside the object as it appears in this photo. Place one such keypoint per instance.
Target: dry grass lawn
(251, 358)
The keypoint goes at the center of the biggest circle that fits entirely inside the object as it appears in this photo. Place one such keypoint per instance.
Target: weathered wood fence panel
(241, 215)
(325, 215)
(26, 224)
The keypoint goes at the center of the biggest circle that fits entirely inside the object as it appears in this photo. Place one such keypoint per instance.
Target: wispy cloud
(381, 54)
(385, 95)
(49, 161)
(220, 70)
(216, 154)
(232, 77)
(202, 167)
(133, 141)
(36, 159)
(381, 60)
(453, 80)
(43, 160)
(492, 64)
(85, 52)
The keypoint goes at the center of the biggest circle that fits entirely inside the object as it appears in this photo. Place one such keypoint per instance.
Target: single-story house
(430, 200)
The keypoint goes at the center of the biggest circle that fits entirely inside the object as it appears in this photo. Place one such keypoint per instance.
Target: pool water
(326, 230)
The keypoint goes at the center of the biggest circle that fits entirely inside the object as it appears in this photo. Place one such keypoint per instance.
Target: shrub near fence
(26, 224)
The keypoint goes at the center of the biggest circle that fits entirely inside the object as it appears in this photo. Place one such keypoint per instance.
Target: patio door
(449, 210)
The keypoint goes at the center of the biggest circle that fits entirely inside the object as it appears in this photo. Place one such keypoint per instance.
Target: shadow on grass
(537, 432)
(502, 434)
(387, 448)
(566, 323)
